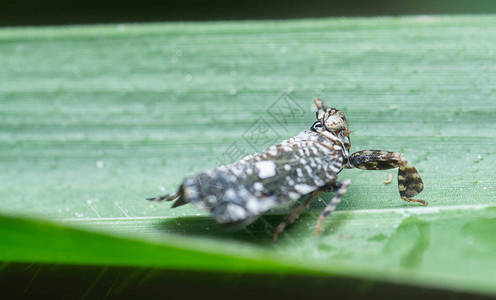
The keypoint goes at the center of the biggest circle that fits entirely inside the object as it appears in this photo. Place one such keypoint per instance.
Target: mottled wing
(237, 194)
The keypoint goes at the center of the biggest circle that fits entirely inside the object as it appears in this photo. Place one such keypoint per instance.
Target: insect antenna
(355, 130)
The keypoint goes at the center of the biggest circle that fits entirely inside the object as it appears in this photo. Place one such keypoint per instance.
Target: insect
(305, 165)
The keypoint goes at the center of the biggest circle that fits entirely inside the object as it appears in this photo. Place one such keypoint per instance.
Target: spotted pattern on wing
(238, 193)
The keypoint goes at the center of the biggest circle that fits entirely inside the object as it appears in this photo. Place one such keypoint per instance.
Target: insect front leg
(409, 182)
(293, 216)
(340, 187)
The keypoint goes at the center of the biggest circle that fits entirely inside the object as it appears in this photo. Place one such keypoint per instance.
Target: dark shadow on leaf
(259, 232)
(410, 241)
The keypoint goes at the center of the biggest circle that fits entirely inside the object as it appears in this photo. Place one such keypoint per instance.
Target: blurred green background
(96, 118)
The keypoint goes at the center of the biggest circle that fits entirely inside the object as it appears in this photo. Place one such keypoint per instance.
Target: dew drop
(100, 164)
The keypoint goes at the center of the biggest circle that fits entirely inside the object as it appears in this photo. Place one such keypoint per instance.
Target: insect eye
(335, 123)
(317, 126)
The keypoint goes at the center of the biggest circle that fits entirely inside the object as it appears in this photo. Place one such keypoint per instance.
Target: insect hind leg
(409, 182)
(340, 187)
(293, 216)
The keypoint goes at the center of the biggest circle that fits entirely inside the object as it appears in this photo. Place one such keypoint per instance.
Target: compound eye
(335, 123)
(317, 126)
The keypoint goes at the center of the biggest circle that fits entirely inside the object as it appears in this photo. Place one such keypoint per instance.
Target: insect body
(307, 164)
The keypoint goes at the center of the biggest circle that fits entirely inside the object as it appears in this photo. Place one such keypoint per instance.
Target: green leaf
(94, 119)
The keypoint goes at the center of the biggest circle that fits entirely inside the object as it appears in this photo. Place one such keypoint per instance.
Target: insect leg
(390, 179)
(340, 187)
(409, 182)
(291, 218)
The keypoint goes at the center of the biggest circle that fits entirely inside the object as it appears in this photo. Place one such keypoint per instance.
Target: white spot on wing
(304, 188)
(266, 169)
(309, 170)
(334, 169)
(319, 181)
(230, 194)
(293, 195)
(211, 199)
(237, 170)
(256, 206)
(236, 212)
(273, 151)
(252, 206)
